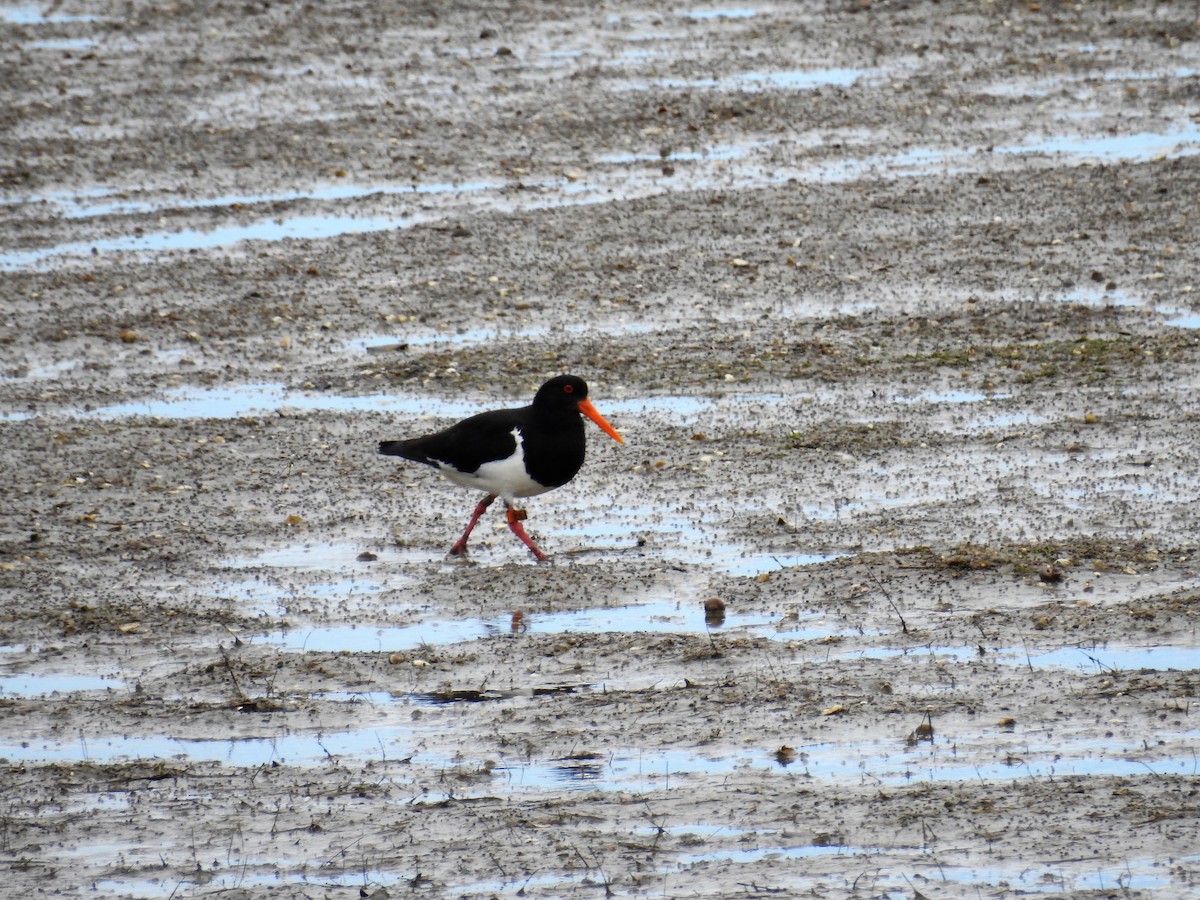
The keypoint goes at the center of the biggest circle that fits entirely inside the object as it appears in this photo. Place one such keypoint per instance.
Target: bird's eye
(568, 388)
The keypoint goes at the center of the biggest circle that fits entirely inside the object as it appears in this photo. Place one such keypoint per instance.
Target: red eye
(568, 388)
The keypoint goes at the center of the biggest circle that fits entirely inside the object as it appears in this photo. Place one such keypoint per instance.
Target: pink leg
(460, 546)
(514, 517)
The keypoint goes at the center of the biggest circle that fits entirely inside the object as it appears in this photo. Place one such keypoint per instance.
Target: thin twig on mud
(342, 851)
(660, 828)
(1148, 769)
(603, 878)
(917, 895)
(233, 678)
(1028, 659)
(888, 598)
(759, 889)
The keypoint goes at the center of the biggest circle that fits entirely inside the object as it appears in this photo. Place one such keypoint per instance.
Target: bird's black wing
(465, 445)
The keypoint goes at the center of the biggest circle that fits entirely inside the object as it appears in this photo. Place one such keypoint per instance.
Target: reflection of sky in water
(1177, 317)
(894, 872)
(889, 762)
(1143, 145)
(731, 165)
(797, 80)
(33, 15)
(26, 685)
(61, 44)
(738, 12)
(107, 203)
(253, 399)
(300, 227)
(1099, 659)
(656, 617)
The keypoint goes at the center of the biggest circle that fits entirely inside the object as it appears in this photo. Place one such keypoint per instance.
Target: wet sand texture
(894, 303)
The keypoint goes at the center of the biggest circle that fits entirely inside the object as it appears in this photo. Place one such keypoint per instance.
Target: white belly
(505, 478)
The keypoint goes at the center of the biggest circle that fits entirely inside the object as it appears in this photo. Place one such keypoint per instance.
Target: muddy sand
(895, 304)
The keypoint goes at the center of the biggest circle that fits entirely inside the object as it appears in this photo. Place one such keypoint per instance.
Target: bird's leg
(515, 517)
(460, 546)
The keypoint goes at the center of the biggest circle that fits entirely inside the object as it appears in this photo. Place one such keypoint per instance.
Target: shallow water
(1104, 658)
(751, 82)
(893, 875)
(193, 402)
(24, 684)
(728, 166)
(649, 772)
(36, 15)
(656, 617)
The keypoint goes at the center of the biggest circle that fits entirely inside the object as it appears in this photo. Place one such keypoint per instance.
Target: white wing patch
(506, 478)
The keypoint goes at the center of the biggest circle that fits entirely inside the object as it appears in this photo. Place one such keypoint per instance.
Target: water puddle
(708, 154)
(951, 397)
(750, 164)
(610, 530)
(685, 535)
(985, 411)
(193, 402)
(1120, 659)
(874, 762)
(277, 227)
(1083, 875)
(34, 15)
(1143, 146)
(313, 556)
(73, 44)
(261, 399)
(1073, 84)
(377, 344)
(29, 685)
(743, 12)
(272, 594)
(298, 228)
(243, 400)
(1093, 660)
(1177, 317)
(1183, 318)
(753, 82)
(113, 202)
(742, 856)
(309, 748)
(241, 876)
(896, 874)
(263, 598)
(20, 371)
(657, 617)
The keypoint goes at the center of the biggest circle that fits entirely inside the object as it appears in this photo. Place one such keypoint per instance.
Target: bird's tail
(394, 448)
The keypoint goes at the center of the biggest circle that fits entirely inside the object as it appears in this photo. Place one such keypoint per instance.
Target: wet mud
(894, 304)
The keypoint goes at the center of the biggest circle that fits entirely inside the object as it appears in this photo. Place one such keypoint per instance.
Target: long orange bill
(585, 407)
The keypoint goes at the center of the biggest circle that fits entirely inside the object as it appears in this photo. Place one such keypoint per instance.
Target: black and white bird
(511, 453)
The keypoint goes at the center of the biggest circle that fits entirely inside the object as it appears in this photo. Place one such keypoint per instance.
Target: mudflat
(894, 303)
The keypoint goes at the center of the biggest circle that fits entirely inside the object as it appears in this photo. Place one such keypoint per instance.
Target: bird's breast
(507, 477)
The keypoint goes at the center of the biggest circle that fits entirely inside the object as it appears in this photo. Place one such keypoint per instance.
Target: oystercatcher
(510, 453)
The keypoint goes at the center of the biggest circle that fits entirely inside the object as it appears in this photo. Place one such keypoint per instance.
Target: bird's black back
(465, 445)
(551, 430)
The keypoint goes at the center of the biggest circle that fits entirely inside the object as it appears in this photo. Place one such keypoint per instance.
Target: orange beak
(585, 407)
